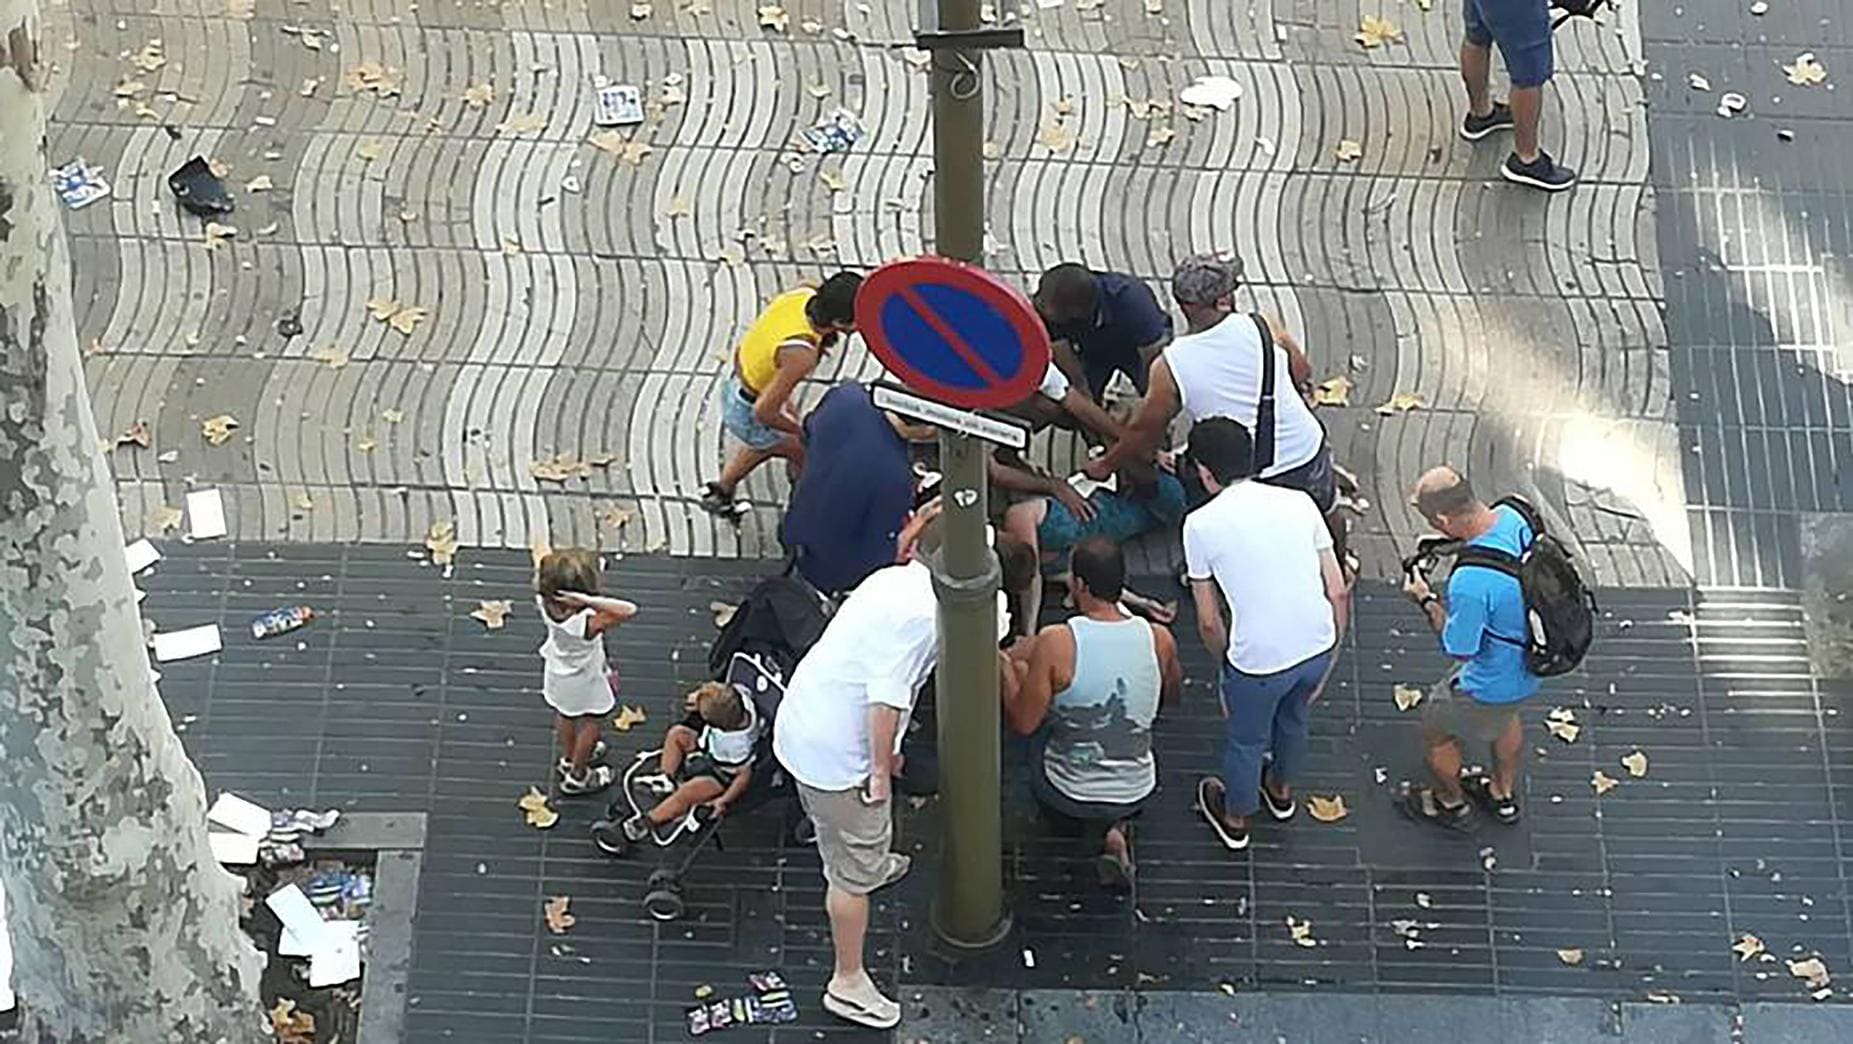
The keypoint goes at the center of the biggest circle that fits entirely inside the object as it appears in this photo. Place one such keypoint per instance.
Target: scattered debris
(526, 123)
(1805, 71)
(619, 105)
(292, 1026)
(441, 541)
(1603, 782)
(1211, 92)
(1731, 104)
(79, 184)
(836, 132)
(1301, 931)
(1333, 391)
(1635, 763)
(282, 620)
(1562, 724)
(1401, 402)
(381, 81)
(1348, 151)
(1407, 696)
(1747, 947)
(1423, 900)
(1375, 32)
(136, 434)
(1813, 972)
(1697, 82)
(534, 807)
(199, 189)
(1571, 956)
(1327, 809)
(723, 612)
(1663, 997)
(218, 430)
(492, 612)
(479, 95)
(774, 17)
(559, 468)
(628, 716)
(401, 317)
(166, 518)
(559, 919)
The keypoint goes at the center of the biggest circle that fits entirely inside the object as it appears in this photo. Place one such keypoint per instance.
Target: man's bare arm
(1210, 625)
(1147, 430)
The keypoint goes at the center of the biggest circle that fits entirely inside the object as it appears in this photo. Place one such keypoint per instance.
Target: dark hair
(1067, 293)
(1098, 563)
(1451, 499)
(568, 569)
(1017, 562)
(1224, 447)
(835, 301)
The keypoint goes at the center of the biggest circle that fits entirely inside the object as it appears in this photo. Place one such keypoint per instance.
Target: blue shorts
(1522, 31)
(737, 417)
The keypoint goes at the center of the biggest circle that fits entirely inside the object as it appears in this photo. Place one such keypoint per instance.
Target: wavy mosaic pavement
(580, 300)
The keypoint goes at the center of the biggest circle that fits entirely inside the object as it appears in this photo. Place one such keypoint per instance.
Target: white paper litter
(181, 645)
(338, 962)
(206, 514)
(1211, 92)
(140, 555)
(299, 915)
(1086, 486)
(235, 813)
(289, 944)
(232, 849)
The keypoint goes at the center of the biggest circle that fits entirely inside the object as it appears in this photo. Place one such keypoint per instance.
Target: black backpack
(1577, 9)
(1560, 610)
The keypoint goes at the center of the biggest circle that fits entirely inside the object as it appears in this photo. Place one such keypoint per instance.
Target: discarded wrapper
(79, 184)
(199, 189)
(619, 105)
(835, 132)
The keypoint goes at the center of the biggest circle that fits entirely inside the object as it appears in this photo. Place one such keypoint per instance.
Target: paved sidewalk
(581, 302)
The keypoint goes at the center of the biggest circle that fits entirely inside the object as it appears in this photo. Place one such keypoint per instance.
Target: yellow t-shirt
(781, 323)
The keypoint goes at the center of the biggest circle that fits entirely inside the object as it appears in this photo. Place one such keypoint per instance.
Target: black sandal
(1421, 805)
(1479, 788)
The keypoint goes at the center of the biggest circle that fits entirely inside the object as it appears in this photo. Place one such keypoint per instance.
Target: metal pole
(968, 912)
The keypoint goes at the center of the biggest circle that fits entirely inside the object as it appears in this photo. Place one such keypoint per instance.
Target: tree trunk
(123, 926)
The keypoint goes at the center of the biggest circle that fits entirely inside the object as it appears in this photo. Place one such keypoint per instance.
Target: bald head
(1443, 493)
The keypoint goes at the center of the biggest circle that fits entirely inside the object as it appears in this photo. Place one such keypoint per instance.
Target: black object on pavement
(199, 189)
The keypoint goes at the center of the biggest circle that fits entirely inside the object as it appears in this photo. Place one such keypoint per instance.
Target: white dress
(574, 681)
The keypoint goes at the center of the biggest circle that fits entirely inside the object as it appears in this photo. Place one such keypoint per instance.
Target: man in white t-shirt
(1215, 369)
(839, 734)
(1265, 552)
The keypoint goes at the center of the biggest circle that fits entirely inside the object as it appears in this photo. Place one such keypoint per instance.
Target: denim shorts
(1522, 31)
(737, 417)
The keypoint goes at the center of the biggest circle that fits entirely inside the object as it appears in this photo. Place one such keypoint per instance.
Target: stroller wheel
(663, 904)
(663, 880)
(609, 837)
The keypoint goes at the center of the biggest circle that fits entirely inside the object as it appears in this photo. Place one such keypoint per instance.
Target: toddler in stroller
(706, 760)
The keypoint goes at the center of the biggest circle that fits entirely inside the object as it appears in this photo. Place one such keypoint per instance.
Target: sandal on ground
(1480, 789)
(1422, 805)
(1280, 813)
(1210, 802)
(596, 778)
(873, 1010)
(599, 750)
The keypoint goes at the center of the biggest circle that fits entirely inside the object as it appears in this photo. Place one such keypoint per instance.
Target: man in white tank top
(1215, 370)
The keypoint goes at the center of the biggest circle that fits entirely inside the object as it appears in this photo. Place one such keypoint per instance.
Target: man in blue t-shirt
(855, 493)
(1483, 627)
(1101, 323)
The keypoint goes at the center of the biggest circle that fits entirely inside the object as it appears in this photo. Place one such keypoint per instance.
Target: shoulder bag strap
(1264, 408)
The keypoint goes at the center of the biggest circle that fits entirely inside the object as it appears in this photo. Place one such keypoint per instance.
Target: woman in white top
(577, 681)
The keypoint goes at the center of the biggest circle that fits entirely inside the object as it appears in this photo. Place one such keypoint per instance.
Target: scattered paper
(1407, 696)
(206, 514)
(773, 17)
(235, 813)
(1697, 82)
(534, 807)
(1731, 104)
(302, 919)
(182, 645)
(1211, 92)
(140, 555)
(338, 961)
(232, 849)
(492, 613)
(1327, 809)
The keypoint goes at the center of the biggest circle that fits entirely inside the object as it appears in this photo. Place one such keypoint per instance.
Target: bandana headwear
(1203, 279)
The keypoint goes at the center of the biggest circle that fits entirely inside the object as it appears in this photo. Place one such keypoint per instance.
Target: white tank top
(1218, 374)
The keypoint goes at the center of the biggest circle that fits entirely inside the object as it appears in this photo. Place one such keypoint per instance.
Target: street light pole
(968, 912)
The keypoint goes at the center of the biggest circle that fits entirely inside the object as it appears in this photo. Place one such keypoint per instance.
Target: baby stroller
(755, 654)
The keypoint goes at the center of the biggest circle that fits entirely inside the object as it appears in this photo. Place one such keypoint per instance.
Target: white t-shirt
(878, 649)
(1218, 374)
(1262, 544)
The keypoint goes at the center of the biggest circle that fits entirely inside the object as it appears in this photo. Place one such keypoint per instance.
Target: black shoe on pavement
(718, 502)
(1542, 173)
(1473, 128)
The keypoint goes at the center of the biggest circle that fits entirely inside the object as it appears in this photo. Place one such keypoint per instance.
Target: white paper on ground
(339, 962)
(140, 555)
(232, 849)
(299, 915)
(194, 641)
(289, 944)
(206, 514)
(246, 817)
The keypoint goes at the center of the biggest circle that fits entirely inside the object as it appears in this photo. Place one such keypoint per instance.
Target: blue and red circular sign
(953, 332)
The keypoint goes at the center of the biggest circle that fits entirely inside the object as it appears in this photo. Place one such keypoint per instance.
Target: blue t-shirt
(854, 494)
(1486, 619)
(1127, 317)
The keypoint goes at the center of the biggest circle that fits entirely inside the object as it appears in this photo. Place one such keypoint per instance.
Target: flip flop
(881, 1014)
(1421, 805)
(1212, 814)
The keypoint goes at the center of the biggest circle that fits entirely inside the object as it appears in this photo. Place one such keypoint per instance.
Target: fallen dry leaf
(136, 434)
(832, 180)
(1805, 71)
(292, 1026)
(1407, 696)
(217, 233)
(1348, 151)
(723, 612)
(367, 444)
(1812, 971)
(1747, 946)
(382, 81)
(303, 501)
(261, 183)
(1375, 32)
(441, 541)
(527, 123)
(1055, 137)
(615, 517)
(1401, 402)
(1562, 724)
(368, 151)
(218, 430)
(332, 355)
(1327, 809)
(533, 805)
(559, 468)
(1603, 782)
(772, 16)
(492, 613)
(401, 317)
(1635, 763)
(628, 716)
(1571, 956)
(678, 207)
(1334, 391)
(478, 95)
(558, 918)
(166, 518)
(392, 416)
(1301, 931)
(150, 57)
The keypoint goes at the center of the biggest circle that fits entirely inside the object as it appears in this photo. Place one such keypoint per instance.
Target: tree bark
(124, 928)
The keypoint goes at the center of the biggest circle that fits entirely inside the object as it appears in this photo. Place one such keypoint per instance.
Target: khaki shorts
(852, 837)
(1454, 713)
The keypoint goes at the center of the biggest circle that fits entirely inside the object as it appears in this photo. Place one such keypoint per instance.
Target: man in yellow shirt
(780, 349)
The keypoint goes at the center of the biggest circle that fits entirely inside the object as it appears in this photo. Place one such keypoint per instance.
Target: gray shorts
(1451, 712)
(853, 837)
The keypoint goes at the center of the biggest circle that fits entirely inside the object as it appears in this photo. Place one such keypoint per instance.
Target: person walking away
(1269, 556)
(1483, 627)
(1092, 687)
(839, 733)
(1102, 323)
(780, 349)
(577, 681)
(1216, 369)
(1522, 31)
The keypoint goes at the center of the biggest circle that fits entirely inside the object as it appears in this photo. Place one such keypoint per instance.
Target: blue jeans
(1522, 31)
(1266, 714)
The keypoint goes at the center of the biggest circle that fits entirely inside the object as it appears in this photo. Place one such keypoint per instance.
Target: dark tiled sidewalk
(398, 700)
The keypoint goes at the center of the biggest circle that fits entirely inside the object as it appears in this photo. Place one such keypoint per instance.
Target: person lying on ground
(707, 757)
(1090, 688)
(1143, 498)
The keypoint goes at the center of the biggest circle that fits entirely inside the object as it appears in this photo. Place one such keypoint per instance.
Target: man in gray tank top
(1089, 690)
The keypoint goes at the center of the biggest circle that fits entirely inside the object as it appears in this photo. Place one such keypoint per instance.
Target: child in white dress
(577, 681)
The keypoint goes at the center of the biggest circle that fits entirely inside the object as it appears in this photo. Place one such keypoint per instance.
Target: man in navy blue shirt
(855, 493)
(1102, 323)
(1483, 627)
